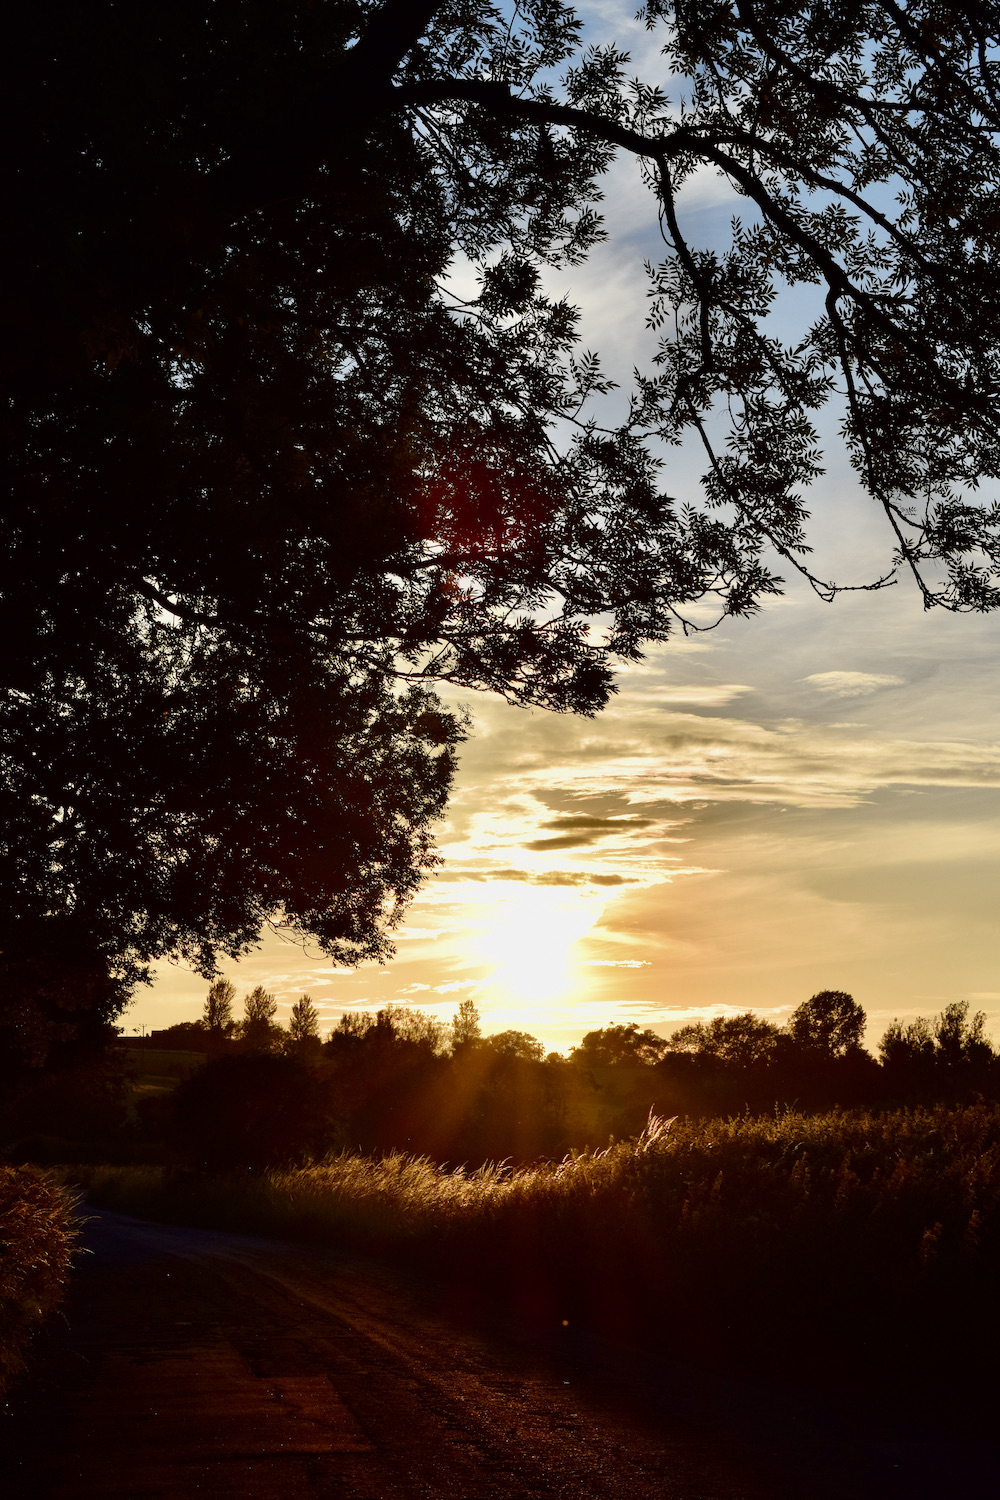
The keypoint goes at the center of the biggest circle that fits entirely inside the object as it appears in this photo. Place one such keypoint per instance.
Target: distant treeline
(401, 1080)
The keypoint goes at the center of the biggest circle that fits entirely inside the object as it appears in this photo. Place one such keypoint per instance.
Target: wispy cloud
(852, 684)
(581, 831)
(537, 877)
(617, 963)
(698, 695)
(693, 758)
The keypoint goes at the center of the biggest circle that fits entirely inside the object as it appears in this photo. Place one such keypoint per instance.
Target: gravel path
(203, 1364)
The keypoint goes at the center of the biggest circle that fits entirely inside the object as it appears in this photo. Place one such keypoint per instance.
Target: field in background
(154, 1073)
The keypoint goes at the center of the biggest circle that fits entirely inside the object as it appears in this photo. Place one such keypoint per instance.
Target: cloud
(539, 877)
(568, 841)
(577, 831)
(704, 695)
(726, 760)
(852, 684)
(617, 963)
(581, 821)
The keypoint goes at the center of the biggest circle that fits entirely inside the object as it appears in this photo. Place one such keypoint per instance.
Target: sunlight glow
(531, 941)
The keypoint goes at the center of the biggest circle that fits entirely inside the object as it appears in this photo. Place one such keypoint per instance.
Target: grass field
(859, 1246)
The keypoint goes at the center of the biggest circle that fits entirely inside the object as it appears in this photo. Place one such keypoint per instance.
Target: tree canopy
(274, 476)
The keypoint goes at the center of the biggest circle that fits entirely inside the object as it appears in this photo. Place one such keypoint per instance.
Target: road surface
(211, 1365)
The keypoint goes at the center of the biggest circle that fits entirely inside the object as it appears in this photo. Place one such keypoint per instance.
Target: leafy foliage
(864, 139)
(258, 1031)
(619, 1044)
(737, 1040)
(949, 1056)
(218, 1017)
(274, 476)
(303, 1023)
(37, 1235)
(831, 1023)
(249, 1111)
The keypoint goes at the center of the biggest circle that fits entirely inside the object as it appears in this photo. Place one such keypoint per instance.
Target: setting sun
(532, 938)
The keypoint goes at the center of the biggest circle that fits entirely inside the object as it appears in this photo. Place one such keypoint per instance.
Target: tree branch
(182, 611)
(498, 98)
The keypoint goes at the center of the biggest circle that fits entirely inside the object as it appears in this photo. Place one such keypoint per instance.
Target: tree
(960, 1039)
(398, 1028)
(615, 1045)
(385, 1068)
(58, 997)
(465, 1028)
(303, 1023)
(739, 1041)
(251, 1111)
(258, 1030)
(831, 1023)
(946, 1057)
(273, 479)
(516, 1046)
(902, 1043)
(218, 1015)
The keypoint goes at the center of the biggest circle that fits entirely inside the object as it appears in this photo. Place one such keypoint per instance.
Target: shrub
(250, 1110)
(37, 1233)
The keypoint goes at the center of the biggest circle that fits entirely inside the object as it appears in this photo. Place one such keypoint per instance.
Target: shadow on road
(195, 1363)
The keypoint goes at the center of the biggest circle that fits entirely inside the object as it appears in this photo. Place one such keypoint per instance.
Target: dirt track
(200, 1364)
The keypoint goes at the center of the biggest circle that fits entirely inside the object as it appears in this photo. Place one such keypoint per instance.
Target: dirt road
(202, 1364)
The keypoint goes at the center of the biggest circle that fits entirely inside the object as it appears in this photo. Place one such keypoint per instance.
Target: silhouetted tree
(740, 1041)
(519, 1046)
(465, 1028)
(615, 1045)
(303, 1023)
(960, 1039)
(59, 996)
(616, 1064)
(218, 1013)
(385, 1071)
(947, 1057)
(217, 1018)
(830, 1023)
(271, 478)
(258, 1030)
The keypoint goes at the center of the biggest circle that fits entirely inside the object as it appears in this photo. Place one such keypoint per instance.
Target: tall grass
(864, 1244)
(37, 1234)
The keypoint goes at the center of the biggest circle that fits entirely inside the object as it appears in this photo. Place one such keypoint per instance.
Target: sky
(806, 800)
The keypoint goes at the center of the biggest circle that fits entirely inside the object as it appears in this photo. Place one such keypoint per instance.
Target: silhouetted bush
(250, 1110)
(37, 1233)
(82, 1111)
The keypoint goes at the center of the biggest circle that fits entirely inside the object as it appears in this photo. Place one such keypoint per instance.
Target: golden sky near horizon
(803, 801)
